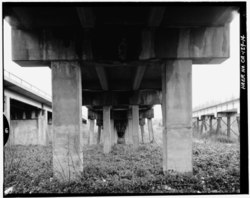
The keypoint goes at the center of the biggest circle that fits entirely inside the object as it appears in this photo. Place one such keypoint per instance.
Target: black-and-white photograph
(124, 98)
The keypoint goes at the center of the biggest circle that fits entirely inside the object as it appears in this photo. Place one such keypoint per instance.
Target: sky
(210, 83)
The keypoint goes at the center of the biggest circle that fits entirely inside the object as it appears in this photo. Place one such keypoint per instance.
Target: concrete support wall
(30, 131)
(135, 125)
(91, 132)
(25, 132)
(67, 120)
(106, 129)
(177, 115)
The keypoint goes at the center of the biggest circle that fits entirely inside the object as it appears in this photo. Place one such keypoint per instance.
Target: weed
(124, 170)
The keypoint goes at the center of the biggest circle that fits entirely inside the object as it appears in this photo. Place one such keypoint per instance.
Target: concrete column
(218, 129)
(91, 132)
(177, 116)
(115, 135)
(238, 122)
(128, 133)
(142, 133)
(113, 132)
(33, 115)
(142, 123)
(150, 130)
(99, 134)
(99, 123)
(42, 128)
(228, 126)
(197, 125)
(106, 129)
(24, 115)
(67, 120)
(203, 124)
(210, 123)
(135, 125)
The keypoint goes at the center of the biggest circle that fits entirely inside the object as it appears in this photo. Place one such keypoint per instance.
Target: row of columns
(210, 118)
(176, 113)
(131, 133)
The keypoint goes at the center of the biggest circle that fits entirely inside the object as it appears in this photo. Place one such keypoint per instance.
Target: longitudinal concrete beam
(86, 17)
(155, 17)
(140, 70)
(201, 45)
(140, 97)
(101, 73)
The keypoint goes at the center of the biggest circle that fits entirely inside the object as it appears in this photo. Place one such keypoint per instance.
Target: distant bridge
(214, 114)
(28, 110)
(230, 106)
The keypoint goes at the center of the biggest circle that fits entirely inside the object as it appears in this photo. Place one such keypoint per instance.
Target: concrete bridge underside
(120, 60)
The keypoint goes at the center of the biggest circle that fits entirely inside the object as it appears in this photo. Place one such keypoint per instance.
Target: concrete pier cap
(112, 58)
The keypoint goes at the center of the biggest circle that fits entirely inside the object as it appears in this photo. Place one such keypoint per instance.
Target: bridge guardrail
(25, 84)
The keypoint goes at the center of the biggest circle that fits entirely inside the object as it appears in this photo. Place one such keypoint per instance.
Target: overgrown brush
(125, 170)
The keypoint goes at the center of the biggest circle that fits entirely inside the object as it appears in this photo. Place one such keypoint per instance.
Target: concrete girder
(140, 70)
(140, 97)
(26, 100)
(201, 45)
(155, 17)
(102, 77)
(86, 16)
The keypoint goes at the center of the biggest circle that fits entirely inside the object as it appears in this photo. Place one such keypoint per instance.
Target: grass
(215, 168)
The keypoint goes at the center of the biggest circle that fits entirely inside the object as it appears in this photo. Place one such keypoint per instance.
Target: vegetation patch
(28, 169)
